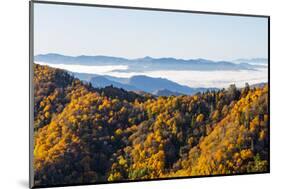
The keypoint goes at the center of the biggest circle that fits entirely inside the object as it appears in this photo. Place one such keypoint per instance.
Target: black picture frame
(31, 94)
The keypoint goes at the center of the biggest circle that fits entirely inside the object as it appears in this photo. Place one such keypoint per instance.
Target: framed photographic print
(124, 94)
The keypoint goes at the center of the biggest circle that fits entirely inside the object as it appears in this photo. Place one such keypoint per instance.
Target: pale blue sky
(77, 30)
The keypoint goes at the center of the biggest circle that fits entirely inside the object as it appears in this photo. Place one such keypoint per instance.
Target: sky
(79, 30)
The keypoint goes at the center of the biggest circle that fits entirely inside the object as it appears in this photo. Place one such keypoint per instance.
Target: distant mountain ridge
(252, 60)
(145, 63)
(150, 84)
(83, 59)
(155, 86)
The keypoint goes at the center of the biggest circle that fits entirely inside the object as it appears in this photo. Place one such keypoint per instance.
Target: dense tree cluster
(88, 135)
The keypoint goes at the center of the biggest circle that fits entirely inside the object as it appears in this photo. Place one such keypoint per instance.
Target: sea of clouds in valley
(218, 79)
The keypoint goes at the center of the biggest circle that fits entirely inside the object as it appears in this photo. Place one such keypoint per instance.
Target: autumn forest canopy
(84, 134)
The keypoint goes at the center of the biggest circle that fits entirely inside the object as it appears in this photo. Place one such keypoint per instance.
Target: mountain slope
(237, 144)
(109, 134)
(70, 140)
(53, 89)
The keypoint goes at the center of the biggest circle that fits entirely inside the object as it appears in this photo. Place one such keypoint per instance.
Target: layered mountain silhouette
(143, 83)
(252, 60)
(146, 63)
(155, 86)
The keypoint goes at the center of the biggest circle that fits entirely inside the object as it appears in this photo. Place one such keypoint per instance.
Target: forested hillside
(89, 135)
